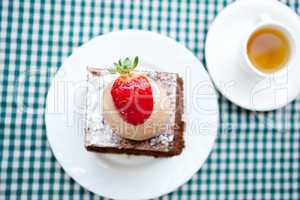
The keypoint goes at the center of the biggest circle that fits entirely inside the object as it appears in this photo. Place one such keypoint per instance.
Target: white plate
(227, 68)
(122, 176)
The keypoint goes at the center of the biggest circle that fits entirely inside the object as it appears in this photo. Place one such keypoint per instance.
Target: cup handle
(264, 18)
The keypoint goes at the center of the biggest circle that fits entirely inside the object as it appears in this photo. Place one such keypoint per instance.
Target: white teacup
(266, 21)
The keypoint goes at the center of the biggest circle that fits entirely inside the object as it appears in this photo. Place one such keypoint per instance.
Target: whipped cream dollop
(153, 126)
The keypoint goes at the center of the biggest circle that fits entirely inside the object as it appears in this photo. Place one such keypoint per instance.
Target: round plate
(123, 176)
(228, 68)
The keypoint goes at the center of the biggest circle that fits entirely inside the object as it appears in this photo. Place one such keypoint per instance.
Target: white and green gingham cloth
(256, 155)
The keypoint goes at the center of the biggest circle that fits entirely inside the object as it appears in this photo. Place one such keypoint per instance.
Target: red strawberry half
(132, 93)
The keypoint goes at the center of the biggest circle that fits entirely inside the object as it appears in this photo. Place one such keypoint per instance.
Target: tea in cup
(269, 47)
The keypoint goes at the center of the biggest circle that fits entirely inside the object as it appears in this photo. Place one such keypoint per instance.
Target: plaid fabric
(256, 155)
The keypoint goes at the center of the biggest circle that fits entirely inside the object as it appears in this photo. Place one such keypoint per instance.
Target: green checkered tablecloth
(256, 155)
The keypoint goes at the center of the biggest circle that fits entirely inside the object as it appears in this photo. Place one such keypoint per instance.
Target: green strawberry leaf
(135, 62)
(125, 66)
(127, 62)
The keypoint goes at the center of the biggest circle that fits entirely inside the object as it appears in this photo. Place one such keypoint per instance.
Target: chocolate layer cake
(99, 136)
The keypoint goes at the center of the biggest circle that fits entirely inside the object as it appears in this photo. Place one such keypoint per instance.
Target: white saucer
(227, 68)
(121, 176)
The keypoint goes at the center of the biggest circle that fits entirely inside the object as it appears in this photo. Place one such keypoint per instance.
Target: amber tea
(268, 49)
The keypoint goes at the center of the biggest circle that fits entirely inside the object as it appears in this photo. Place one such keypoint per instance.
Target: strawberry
(132, 93)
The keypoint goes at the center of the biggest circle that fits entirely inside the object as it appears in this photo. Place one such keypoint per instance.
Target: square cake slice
(99, 136)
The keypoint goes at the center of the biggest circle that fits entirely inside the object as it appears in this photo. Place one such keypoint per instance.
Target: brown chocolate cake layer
(100, 138)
